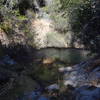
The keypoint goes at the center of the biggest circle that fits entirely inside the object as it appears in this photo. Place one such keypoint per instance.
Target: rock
(64, 69)
(3, 38)
(49, 33)
(79, 75)
(48, 2)
(45, 35)
(87, 93)
(53, 87)
(7, 60)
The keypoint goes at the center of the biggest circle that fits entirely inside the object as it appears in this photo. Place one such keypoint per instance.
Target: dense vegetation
(76, 15)
(75, 12)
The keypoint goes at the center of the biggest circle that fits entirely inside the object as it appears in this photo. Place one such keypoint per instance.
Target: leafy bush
(79, 15)
(6, 27)
(91, 35)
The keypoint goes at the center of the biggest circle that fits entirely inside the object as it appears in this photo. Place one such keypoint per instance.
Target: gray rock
(87, 93)
(79, 76)
(53, 87)
(7, 60)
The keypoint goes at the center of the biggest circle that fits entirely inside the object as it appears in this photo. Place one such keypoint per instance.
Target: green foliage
(1, 3)
(22, 17)
(69, 14)
(91, 35)
(72, 15)
(46, 74)
(79, 15)
(78, 12)
(56, 14)
(6, 27)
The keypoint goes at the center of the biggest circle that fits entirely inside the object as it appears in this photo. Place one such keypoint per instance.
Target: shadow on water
(18, 52)
(20, 71)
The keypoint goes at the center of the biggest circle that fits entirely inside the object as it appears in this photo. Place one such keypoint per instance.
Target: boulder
(87, 93)
(85, 73)
(53, 87)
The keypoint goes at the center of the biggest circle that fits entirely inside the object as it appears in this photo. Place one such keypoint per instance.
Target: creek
(32, 88)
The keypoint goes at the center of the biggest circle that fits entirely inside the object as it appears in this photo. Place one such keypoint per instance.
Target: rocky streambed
(78, 82)
(81, 82)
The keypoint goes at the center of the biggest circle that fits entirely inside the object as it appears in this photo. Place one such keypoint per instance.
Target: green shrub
(6, 27)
